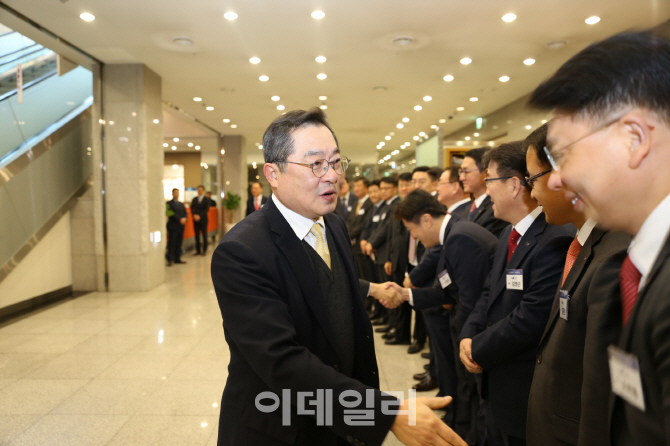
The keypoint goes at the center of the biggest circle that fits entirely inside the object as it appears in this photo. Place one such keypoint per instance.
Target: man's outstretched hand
(429, 429)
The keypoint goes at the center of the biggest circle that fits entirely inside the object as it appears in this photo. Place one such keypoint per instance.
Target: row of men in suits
(176, 213)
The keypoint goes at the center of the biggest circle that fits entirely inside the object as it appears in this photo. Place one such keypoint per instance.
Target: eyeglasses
(556, 156)
(462, 171)
(320, 167)
(530, 181)
(421, 181)
(440, 183)
(488, 180)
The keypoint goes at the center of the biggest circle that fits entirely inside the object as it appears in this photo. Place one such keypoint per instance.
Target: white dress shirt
(454, 206)
(650, 239)
(300, 225)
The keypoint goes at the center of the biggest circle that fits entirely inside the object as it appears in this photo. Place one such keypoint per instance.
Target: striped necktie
(573, 252)
(321, 245)
(629, 279)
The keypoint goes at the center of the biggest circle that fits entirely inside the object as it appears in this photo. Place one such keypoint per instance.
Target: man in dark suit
(450, 193)
(355, 223)
(473, 178)
(199, 212)
(176, 213)
(379, 315)
(257, 200)
(610, 145)
(298, 334)
(347, 201)
(457, 285)
(570, 390)
(502, 333)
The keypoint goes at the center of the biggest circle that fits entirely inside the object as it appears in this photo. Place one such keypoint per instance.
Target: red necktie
(573, 252)
(629, 279)
(256, 203)
(473, 207)
(512, 244)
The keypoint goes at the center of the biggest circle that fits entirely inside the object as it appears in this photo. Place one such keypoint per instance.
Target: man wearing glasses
(292, 311)
(501, 335)
(610, 143)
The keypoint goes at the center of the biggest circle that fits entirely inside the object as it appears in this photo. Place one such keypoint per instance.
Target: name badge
(515, 279)
(564, 298)
(349, 208)
(445, 280)
(375, 218)
(625, 376)
(361, 212)
(384, 216)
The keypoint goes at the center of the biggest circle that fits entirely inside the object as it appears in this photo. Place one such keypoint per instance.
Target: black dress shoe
(384, 329)
(426, 366)
(180, 262)
(420, 376)
(427, 384)
(396, 341)
(379, 321)
(416, 347)
(425, 355)
(387, 336)
(169, 264)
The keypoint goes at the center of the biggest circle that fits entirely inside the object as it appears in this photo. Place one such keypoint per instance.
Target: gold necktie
(321, 245)
(358, 207)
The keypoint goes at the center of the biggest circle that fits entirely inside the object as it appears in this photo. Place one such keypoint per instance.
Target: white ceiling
(355, 36)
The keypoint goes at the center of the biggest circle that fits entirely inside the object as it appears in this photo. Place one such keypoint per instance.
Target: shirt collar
(480, 200)
(453, 207)
(362, 200)
(445, 222)
(528, 220)
(390, 200)
(649, 241)
(300, 225)
(585, 231)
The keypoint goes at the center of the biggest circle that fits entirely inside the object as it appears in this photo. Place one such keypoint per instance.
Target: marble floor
(132, 368)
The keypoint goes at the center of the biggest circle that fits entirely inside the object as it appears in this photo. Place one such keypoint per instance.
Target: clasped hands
(389, 294)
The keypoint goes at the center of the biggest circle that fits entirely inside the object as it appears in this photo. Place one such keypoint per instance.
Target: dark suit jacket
(647, 336)
(342, 210)
(380, 238)
(276, 326)
(201, 209)
(369, 225)
(462, 211)
(483, 216)
(250, 203)
(466, 255)
(506, 325)
(571, 386)
(179, 212)
(355, 225)
(399, 247)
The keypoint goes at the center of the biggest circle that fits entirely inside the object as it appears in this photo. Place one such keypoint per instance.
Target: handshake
(389, 294)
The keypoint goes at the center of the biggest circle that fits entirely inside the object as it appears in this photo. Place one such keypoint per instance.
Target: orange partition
(212, 222)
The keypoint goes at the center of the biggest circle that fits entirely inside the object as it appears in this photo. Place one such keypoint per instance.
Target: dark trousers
(400, 319)
(200, 228)
(420, 331)
(468, 418)
(380, 275)
(175, 237)
(441, 346)
(496, 437)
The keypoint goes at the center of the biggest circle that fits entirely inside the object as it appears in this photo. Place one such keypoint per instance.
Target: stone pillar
(135, 207)
(234, 176)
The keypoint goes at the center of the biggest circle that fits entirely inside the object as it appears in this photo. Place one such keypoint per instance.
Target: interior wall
(46, 268)
(191, 163)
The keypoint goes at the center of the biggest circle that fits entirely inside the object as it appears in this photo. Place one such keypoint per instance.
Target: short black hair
(511, 160)
(434, 173)
(478, 155)
(455, 175)
(278, 142)
(417, 203)
(405, 176)
(421, 169)
(364, 180)
(374, 183)
(625, 70)
(175, 189)
(257, 182)
(199, 186)
(391, 179)
(536, 142)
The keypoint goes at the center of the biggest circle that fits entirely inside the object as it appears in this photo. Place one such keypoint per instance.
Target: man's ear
(270, 170)
(638, 138)
(427, 220)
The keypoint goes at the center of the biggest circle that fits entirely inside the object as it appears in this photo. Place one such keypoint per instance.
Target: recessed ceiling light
(275, 98)
(190, 144)
(318, 15)
(467, 138)
(323, 98)
(544, 121)
(197, 147)
(427, 98)
(528, 127)
(223, 152)
(416, 138)
(197, 99)
(264, 78)
(403, 40)
(165, 144)
(156, 121)
(387, 137)
(321, 76)
(460, 108)
(392, 133)
(87, 17)
(529, 61)
(182, 41)
(466, 61)
(442, 121)
(475, 134)
(175, 139)
(226, 121)
(260, 147)
(417, 107)
(280, 107)
(254, 60)
(209, 108)
(233, 126)
(555, 44)
(459, 143)
(321, 59)
(474, 99)
(509, 17)
(400, 125)
(422, 133)
(448, 78)
(230, 15)
(378, 147)
(590, 21)
(433, 126)
(174, 147)
(382, 143)
(405, 119)
(503, 78)
(509, 121)
(323, 107)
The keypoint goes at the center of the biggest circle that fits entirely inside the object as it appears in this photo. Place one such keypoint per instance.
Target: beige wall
(191, 163)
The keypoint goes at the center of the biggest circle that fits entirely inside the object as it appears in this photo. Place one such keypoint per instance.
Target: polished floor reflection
(131, 368)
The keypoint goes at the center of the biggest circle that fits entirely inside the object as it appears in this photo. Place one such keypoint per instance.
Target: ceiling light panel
(264, 78)
(254, 60)
(529, 61)
(318, 15)
(448, 78)
(509, 17)
(87, 16)
(230, 15)
(592, 20)
(321, 76)
(321, 59)
(466, 61)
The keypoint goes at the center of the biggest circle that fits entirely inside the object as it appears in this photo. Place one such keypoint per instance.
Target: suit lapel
(499, 266)
(440, 263)
(298, 259)
(481, 209)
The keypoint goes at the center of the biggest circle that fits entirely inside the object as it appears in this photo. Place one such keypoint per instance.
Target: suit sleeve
(425, 271)
(380, 235)
(521, 330)
(260, 324)
(476, 321)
